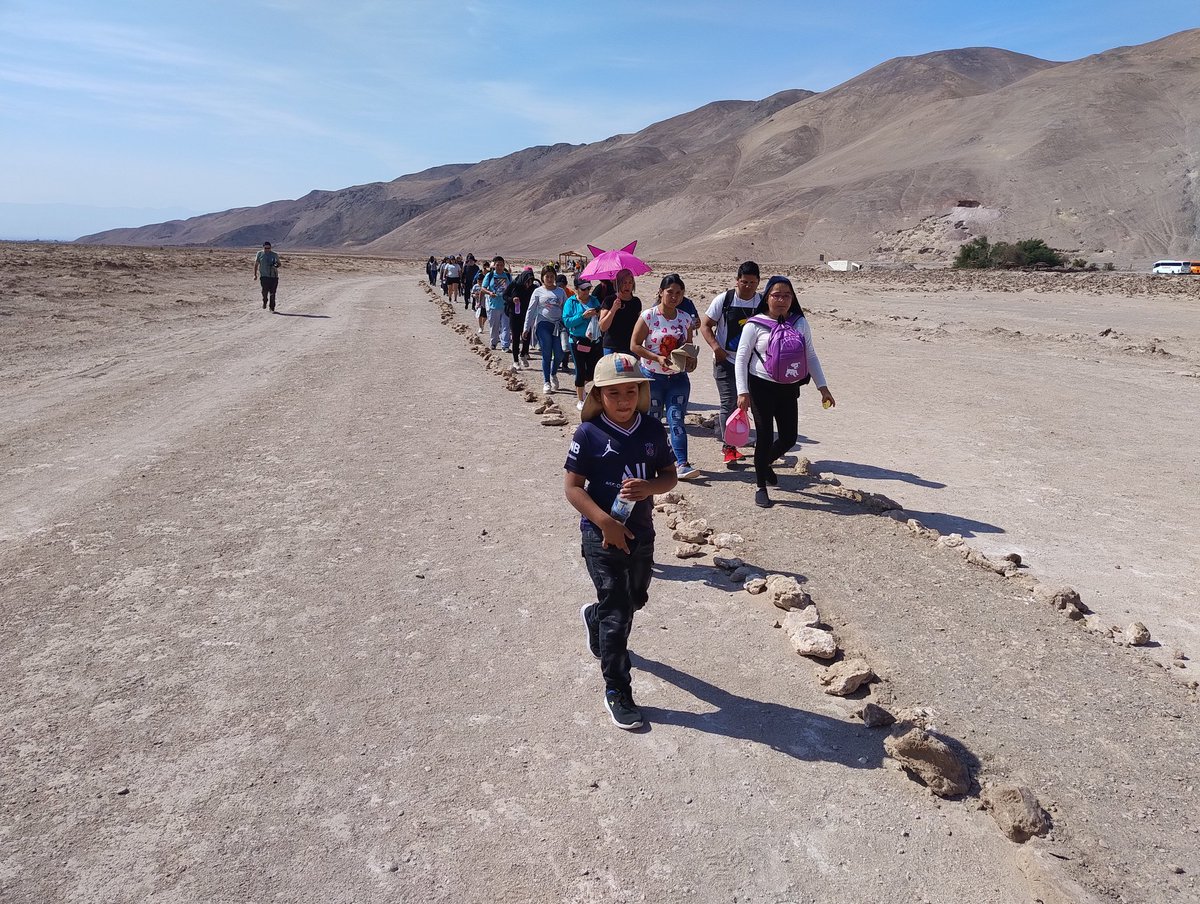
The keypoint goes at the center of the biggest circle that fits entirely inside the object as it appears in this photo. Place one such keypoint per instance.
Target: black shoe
(772, 478)
(622, 710)
(272, 307)
(593, 634)
(761, 499)
(264, 305)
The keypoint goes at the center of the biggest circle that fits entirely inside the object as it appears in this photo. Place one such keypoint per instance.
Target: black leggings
(775, 409)
(520, 347)
(585, 362)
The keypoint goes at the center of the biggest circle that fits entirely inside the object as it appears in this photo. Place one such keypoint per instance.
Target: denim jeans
(622, 582)
(669, 394)
(551, 349)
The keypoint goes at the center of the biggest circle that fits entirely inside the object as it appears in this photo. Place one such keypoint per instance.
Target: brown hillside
(1098, 156)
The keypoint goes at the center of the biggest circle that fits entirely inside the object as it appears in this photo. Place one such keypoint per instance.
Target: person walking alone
(266, 271)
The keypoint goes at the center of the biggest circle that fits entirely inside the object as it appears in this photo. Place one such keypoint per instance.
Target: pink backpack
(786, 360)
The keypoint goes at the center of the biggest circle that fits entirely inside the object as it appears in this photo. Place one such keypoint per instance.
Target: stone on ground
(1016, 810)
(875, 716)
(688, 551)
(844, 678)
(931, 760)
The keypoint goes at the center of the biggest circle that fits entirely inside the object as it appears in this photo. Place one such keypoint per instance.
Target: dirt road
(290, 613)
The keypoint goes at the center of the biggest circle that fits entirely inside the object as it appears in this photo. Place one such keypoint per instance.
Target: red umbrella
(607, 264)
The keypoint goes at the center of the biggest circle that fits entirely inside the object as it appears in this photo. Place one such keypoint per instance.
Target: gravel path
(290, 612)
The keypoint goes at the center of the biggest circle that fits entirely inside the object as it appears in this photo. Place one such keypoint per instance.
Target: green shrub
(974, 255)
(981, 254)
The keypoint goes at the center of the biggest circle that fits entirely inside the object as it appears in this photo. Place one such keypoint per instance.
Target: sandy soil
(1055, 416)
(290, 612)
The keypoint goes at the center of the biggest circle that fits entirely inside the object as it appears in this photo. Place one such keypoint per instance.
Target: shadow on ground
(796, 732)
(871, 472)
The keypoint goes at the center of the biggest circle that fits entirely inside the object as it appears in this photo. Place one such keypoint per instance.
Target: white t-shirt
(722, 329)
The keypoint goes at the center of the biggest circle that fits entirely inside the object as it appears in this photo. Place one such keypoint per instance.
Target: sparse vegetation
(980, 254)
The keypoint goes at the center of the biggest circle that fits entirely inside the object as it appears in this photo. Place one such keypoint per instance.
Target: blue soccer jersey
(605, 454)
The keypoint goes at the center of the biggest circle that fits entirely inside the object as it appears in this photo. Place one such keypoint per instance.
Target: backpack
(786, 360)
(733, 328)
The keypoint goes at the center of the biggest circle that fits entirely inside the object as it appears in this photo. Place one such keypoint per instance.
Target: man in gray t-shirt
(266, 271)
(721, 326)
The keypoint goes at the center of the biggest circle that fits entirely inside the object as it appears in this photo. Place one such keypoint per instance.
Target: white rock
(809, 641)
(725, 541)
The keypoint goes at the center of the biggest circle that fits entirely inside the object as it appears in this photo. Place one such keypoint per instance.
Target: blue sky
(135, 111)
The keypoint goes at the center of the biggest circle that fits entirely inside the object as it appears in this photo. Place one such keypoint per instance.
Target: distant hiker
(431, 269)
(545, 319)
(516, 307)
(266, 271)
(469, 271)
(475, 298)
(495, 284)
(581, 316)
(453, 279)
(619, 458)
(658, 332)
(775, 357)
(721, 327)
(620, 314)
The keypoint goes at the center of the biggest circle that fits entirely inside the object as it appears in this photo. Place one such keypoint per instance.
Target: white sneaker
(546, 389)
(579, 405)
(515, 366)
(554, 383)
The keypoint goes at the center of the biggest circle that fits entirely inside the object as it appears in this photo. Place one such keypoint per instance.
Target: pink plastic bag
(737, 428)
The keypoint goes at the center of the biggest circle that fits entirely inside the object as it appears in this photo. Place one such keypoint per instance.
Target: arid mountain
(1099, 156)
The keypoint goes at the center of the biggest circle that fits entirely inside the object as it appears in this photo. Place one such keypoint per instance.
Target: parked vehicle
(1176, 267)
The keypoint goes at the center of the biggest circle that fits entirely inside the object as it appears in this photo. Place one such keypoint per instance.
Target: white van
(1173, 267)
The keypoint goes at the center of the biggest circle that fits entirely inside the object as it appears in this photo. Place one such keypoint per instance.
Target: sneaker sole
(630, 727)
(690, 475)
(583, 617)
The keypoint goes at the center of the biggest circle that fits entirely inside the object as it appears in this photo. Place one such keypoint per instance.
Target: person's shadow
(310, 316)
(800, 734)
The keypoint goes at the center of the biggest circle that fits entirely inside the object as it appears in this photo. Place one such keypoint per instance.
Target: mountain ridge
(1097, 155)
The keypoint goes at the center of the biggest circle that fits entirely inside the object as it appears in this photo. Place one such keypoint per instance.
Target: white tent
(844, 266)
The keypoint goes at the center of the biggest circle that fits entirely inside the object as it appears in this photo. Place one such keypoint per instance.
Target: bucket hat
(612, 370)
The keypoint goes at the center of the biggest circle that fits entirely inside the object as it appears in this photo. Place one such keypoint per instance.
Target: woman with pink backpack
(775, 357)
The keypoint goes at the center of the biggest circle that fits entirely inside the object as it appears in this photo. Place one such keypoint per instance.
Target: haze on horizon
(145, 112)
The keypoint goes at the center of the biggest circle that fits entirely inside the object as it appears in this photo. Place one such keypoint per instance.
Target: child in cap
(618, 461)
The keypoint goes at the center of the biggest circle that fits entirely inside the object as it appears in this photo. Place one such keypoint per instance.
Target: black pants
(269, 285)
(622, 587)
(520, 346)
(585, 362)
(727, 392)
(774, 406)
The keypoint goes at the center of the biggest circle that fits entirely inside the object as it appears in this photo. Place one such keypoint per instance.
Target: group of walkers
(620, 456)
(573, 324)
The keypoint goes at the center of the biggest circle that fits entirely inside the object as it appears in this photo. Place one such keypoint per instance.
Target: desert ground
(290, 601)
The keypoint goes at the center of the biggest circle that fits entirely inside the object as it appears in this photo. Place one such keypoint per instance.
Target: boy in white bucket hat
(618, 461)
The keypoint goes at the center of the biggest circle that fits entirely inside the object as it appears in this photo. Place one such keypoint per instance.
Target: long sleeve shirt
(754, 339)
